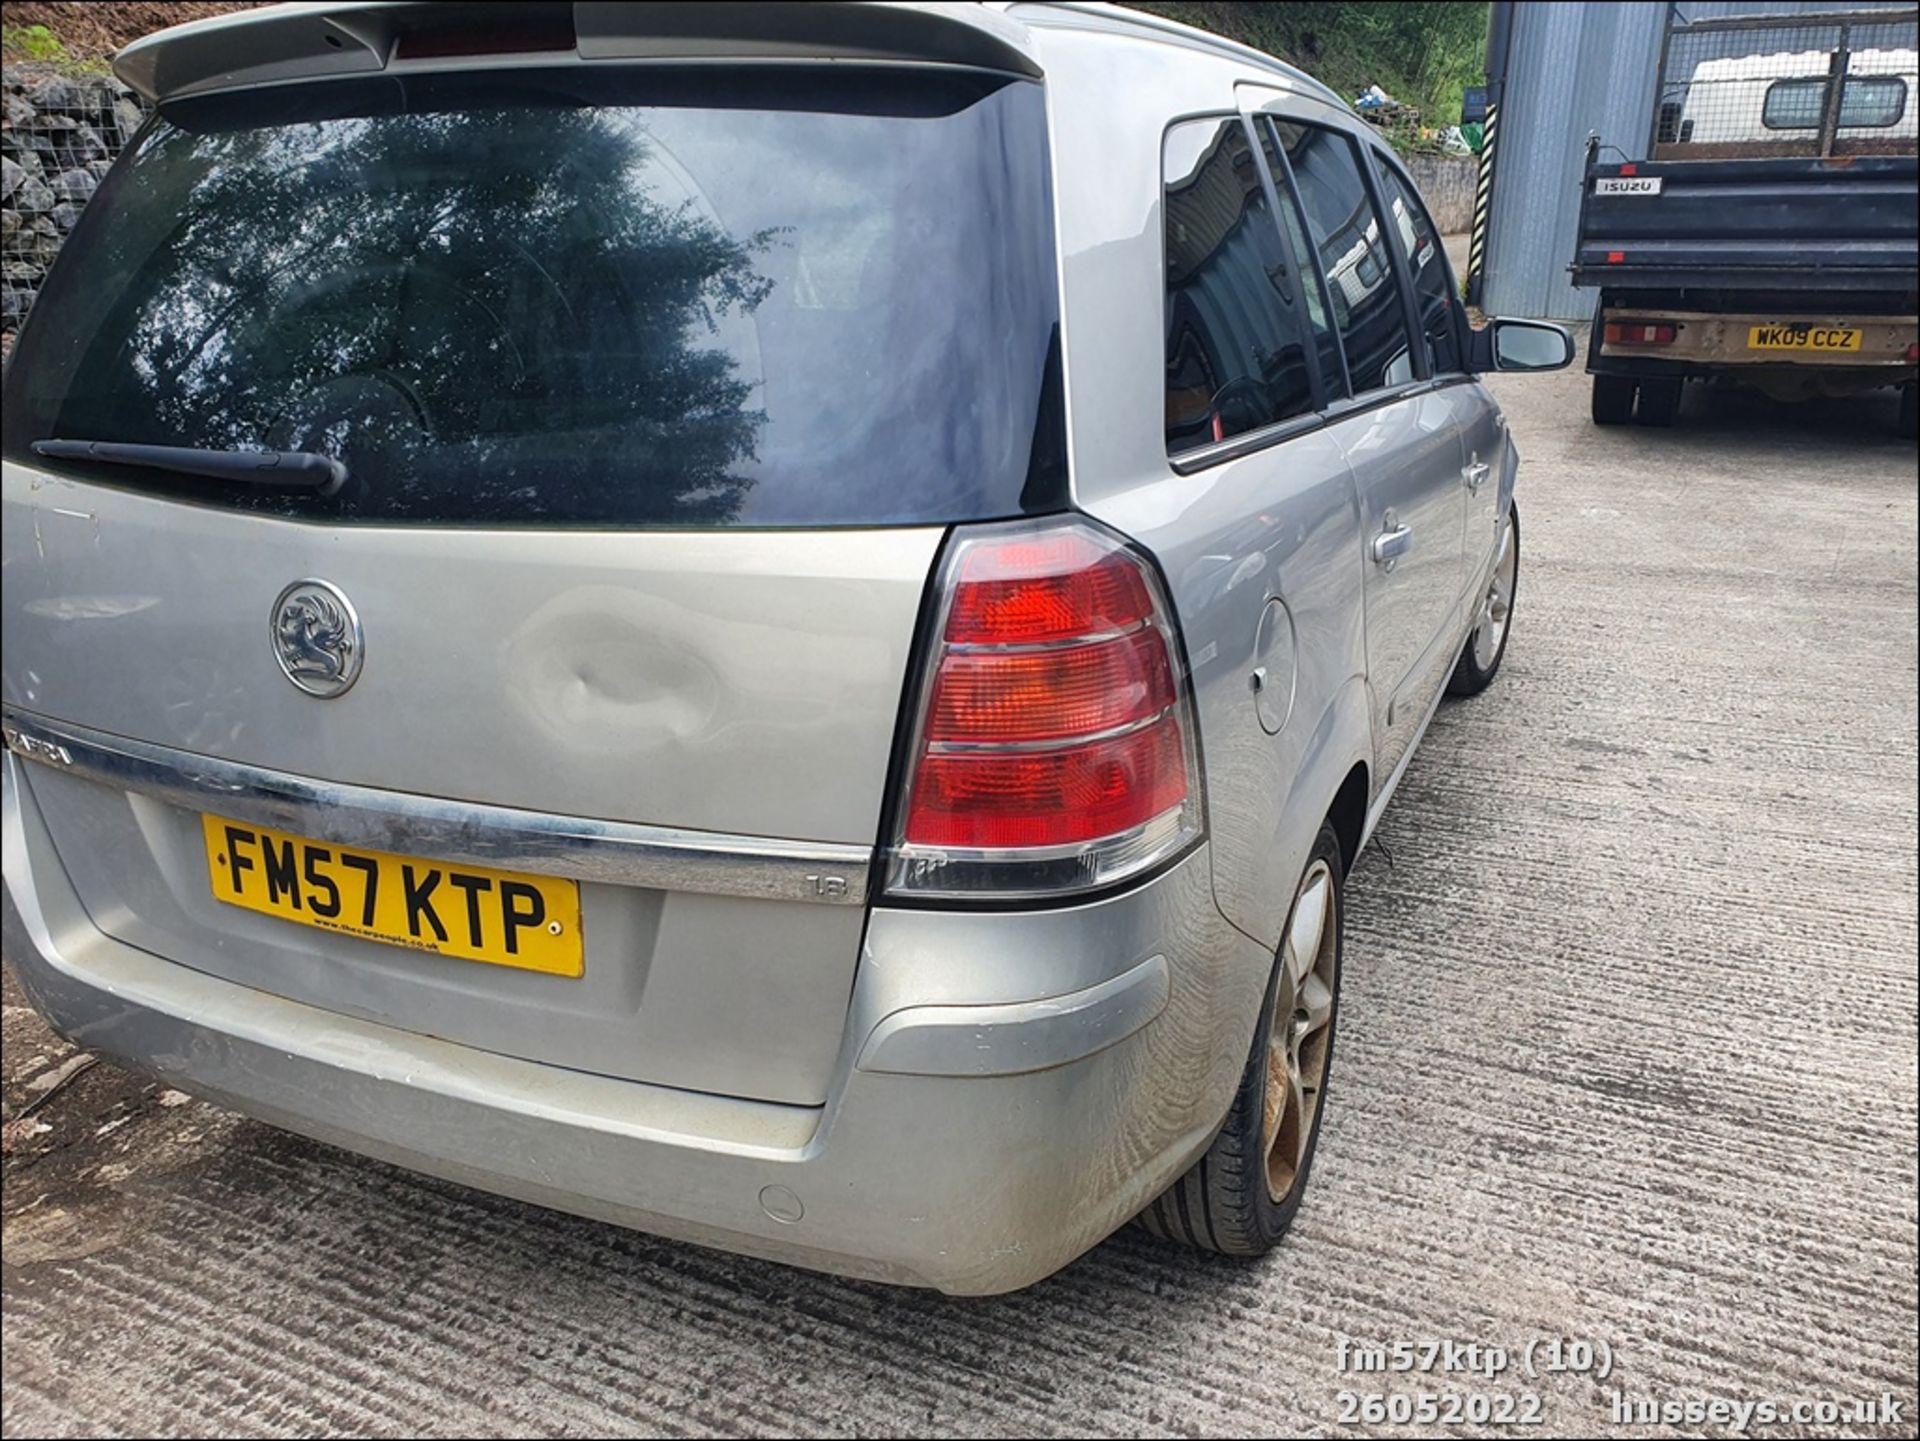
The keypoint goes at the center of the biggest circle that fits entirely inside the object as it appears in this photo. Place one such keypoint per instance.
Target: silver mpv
(779, 636)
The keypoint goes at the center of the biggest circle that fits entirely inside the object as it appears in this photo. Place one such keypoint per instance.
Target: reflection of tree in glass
(488, 302)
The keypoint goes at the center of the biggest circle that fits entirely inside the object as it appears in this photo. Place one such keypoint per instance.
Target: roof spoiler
(362, 37)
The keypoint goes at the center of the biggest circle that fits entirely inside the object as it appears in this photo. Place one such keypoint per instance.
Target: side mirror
(1520, 345)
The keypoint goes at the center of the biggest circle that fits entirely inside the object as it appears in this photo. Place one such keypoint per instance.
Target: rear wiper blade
(290, 469)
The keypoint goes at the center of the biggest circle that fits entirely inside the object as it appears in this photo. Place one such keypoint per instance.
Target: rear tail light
(1638, 333)
(1053, 745)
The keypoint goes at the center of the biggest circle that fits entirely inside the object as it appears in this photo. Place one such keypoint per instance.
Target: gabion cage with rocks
(61, 133)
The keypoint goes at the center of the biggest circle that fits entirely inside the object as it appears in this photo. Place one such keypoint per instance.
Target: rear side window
(1319, 307)
(1353, 253)
(1236, 337)
(1432, 281)
(610, 297)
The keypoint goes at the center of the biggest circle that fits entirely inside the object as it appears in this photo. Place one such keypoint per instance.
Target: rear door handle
(1391, 544)
(1477, 474)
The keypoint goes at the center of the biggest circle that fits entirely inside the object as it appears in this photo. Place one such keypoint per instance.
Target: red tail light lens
(1054, 746)
(994, 696)
(1059, 585)
(1048, 798)
(1638, 332)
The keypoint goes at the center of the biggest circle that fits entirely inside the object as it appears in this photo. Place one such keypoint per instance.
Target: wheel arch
(1509, 472)
(1332, 783)
(1348, 815)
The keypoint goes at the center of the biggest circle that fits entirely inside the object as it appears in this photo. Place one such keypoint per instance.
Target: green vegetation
(40, 45)
(1424, 53)
(33, 42)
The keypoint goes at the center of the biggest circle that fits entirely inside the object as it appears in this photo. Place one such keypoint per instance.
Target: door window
(1351, 243)
(1237, 357)
(1432, 282)
(1333, 373)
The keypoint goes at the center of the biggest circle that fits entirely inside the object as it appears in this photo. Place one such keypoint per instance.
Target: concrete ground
(1627, 1057)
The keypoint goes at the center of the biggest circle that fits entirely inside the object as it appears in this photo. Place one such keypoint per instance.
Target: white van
(1783, 97)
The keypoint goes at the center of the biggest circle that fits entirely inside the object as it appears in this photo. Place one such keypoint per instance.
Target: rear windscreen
(579, 297)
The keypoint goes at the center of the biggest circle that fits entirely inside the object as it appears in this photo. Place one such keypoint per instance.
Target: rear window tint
(1333, 378)
(1236, 336)
(1353, 254)
(1432, 280)
(576, 297)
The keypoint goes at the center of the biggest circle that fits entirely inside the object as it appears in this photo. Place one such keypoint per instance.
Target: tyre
(1240, 1198)
(1909, 421)
(1659, 401)
(1612, 399)
(1486, 646)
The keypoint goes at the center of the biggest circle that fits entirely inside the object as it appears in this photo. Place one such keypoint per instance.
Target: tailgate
(1804, 224)
(722, 706)
(558, 721)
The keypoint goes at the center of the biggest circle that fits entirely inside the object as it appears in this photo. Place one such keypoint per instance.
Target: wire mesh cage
(61, 133)
(1789, 85)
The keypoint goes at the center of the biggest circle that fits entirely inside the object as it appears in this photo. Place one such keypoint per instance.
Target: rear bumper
(970, 1165)
(1705, 342)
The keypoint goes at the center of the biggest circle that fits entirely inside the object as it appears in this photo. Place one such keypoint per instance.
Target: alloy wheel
(1497, 606)
(1302, 1026)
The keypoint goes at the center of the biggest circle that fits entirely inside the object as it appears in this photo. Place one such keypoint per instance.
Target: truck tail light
(1053, 744)
(1637, 333)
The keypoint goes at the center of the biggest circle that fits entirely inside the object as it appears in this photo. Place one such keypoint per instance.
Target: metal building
(1557, 73)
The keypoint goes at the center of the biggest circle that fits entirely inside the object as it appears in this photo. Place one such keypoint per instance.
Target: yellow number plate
(1801, 337)
(505, 919)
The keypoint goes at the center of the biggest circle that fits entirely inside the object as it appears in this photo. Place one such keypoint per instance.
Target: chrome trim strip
(615, 852)
(1234, 447)
(1164, 836)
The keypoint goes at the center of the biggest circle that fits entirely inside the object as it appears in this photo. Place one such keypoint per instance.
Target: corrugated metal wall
(1574, 69)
